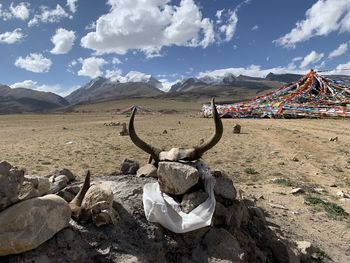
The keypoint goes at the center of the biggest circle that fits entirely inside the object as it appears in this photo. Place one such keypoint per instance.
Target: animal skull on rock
(178, 154)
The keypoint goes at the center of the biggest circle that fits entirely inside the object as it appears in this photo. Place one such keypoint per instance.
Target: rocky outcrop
(28, 224)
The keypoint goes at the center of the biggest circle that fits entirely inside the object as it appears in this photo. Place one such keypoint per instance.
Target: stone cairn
(124, 131)
(108, 221)
(236, 129)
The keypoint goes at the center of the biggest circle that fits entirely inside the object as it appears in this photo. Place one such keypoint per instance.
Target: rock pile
(239, 234)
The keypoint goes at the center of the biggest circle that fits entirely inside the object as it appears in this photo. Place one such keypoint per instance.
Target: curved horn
(78, 199)
(154, 152)
(215, 138)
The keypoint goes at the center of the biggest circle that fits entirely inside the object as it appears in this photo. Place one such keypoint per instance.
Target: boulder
(70, 191)
(28, 224)
(58, 183)
(224, 187)
(148, 170)
(97, 205)
(129, 167)
(11, 180)
(192, 200)
(176, 178)
(33, 186)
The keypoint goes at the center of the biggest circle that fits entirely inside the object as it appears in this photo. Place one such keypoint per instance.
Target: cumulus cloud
(11, 37)
(47, 15)
(149, 25)
(34, 62)
(324, 17)
(63, 41)
(341, 50)
(312, 58)
(34, 85)
(116, 61)
(72, 4)
(256, 27)
(20, 11)
(91, 67)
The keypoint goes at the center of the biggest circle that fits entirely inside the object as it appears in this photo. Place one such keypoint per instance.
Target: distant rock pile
(239, 231)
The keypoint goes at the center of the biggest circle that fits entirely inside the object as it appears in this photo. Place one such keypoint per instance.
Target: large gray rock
(28, 224)
(97, 204)
(224, 187)
(176, 178)
(33, 186)
(11, 180)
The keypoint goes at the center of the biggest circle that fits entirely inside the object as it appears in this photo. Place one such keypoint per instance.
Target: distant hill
(102, 89)
(241, 87)
(286, 78)
(19, 100)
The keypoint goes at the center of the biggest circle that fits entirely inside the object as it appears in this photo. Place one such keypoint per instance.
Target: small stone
(333, 139)
(278, 206)
(148, 170)
(297, 191)
(295, 159)
(305, 247)
(129, 167)
(333, 185)
(165, 132)
(192, 200)
(342, 194)
(320, 190)
(58, 184)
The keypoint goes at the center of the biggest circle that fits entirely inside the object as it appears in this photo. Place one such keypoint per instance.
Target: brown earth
(297, 152)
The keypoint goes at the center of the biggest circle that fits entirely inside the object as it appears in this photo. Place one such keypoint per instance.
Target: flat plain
(266, 161)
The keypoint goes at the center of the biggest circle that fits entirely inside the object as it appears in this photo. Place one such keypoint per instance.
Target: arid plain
(266, 161)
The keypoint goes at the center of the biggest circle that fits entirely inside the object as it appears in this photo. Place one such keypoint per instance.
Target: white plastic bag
(161, 208)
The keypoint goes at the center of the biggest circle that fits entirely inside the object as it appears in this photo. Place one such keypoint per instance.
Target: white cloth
(161, 208)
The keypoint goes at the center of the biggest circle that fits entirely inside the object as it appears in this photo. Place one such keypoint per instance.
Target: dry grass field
(266, 161)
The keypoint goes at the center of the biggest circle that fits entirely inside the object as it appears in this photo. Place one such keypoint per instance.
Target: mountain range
(227, 87)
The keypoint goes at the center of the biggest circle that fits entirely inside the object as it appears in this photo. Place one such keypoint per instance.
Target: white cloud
(20, 11)
(34, 62)
(256, 27)
(34, 85)
(114, 75)
(341, 69)
(324, 17)
(72, 4)
(219, 15)
(63, 41)
(91, 26)
(149, 25)
(49, 16)
(341, 50)
(230, 28)
(312, 58)
(116, 61)
(11, 37)
(91, 67)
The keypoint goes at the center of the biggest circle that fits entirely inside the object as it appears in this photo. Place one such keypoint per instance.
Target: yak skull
(178, 154)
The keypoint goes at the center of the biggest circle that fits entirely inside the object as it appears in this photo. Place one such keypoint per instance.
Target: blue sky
(60, 45)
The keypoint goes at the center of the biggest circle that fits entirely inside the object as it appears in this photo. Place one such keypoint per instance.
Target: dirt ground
(266, 161)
